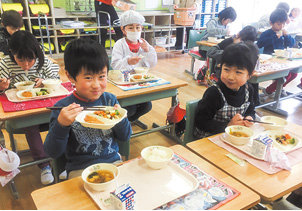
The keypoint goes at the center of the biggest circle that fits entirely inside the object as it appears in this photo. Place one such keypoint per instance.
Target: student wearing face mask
(133, 51)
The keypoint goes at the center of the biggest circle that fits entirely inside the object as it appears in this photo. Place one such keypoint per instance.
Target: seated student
(264, 21)
(27, 62)
(133, 51)
(218, 26)
(276, 38)
(230, 100)
(11, 21)
(248, 33)
(86, 64)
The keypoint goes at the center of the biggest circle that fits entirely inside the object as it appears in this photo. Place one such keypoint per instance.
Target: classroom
(138, 104)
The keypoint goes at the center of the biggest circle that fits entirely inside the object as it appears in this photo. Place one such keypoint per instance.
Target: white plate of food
(284, 141)
(102, 119)
(34, 93)
(143, 77)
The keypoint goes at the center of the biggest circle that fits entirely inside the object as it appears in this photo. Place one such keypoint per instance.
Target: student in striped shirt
(26, 61)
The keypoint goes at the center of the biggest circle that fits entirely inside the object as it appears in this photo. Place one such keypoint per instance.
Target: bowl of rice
(157, 157)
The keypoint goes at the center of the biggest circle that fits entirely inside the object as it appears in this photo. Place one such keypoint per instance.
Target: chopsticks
(250, 120)
(99, 108)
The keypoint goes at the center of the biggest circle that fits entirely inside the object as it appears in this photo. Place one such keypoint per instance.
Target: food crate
(184, 16)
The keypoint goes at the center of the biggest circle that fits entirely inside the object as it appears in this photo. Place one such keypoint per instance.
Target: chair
(190, 121)
(13, 127)
(58, 164)
(195, 35)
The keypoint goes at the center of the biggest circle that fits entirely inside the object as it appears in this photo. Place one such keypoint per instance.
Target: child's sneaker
(265, 94)
(284, 93)
(299, 86)
(46, 176)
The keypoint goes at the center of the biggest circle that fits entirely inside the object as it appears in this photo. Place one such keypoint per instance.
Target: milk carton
(123, 198)
(260, 146)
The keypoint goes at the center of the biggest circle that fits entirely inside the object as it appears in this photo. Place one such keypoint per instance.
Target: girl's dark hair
(24, 45)
(248, 33)
(284, 6)
(241, 55)
(12, 18)
(227, 13)
(85, 53)
(278, 15)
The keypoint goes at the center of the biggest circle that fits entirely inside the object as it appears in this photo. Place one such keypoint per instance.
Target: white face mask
(133, 36)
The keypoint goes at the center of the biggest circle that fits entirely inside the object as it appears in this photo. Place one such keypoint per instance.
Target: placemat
(294, 156)
(10, 106)
(211, 193)
(141, 85)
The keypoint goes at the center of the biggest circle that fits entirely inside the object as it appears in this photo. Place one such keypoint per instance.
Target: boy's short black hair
(227, 13)
(25, 45)
(284, 6)
(12, 18)
(248, 33)
(85, 53)
(242, 55)
(278, 15)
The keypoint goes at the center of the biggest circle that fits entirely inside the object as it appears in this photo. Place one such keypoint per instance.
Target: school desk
(205, 45)
(279, 75)
(269, 186)
(21, 119)
(71, 195)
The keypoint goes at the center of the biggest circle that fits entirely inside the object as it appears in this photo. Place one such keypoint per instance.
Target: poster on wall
(151, 4)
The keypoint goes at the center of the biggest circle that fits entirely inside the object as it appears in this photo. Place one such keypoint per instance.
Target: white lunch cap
(130, 17)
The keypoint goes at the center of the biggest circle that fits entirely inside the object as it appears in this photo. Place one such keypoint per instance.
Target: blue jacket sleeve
(289, 41)
(57, 138)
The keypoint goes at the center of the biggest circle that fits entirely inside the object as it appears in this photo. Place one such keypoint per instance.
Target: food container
(160, 40)
(98, 167)
(123, 198)
(52, 83)
(184, 16)
(233, 130)
(141, 70)
(260, 146)
(115, 75)
(157, 157)
(279, 123)
(25, 85)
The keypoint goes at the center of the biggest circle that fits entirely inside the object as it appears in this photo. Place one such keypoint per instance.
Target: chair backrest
(195, 35)
(190, 121)
(124, 148)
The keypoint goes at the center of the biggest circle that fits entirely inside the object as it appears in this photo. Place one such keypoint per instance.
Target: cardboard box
(184, 16)
(123, 198)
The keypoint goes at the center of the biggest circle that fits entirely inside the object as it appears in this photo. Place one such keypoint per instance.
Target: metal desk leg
(274, 106)
(13, 189)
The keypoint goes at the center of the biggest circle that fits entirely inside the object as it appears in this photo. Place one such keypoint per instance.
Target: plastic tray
(11, 95)
(153, 187)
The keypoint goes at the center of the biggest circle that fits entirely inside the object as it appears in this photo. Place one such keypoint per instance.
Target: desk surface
(206, 43)
(70, 195)
(269, 186)
(120, 94)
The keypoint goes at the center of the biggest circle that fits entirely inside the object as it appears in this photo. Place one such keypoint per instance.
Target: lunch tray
(153, 187)
(119, 83)
(12, 96)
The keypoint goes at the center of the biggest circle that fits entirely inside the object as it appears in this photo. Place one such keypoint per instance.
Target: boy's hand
(38, 82)
(236, 120)
(116, 106)
(4, 83)
(284, 32)
(144, 45)
(134, 60)
(247, 123)
(68, 114)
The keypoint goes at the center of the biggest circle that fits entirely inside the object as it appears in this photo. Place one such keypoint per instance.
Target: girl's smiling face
(233, 77)
(90, 86)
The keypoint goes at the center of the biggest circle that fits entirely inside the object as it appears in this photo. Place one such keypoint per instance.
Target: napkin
(277, 159)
